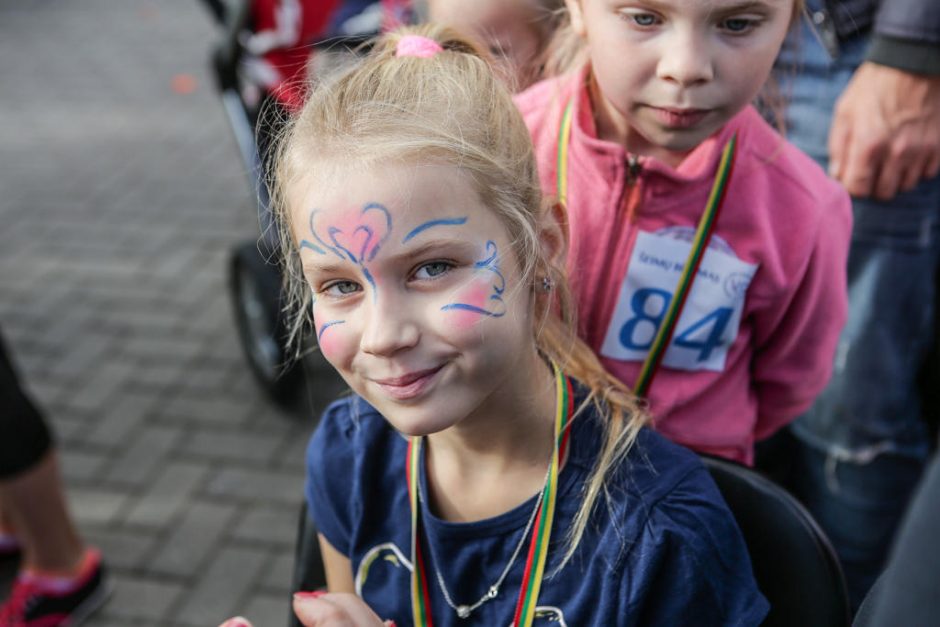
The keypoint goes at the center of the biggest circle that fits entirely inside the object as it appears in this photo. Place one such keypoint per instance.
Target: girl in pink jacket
(707, 254)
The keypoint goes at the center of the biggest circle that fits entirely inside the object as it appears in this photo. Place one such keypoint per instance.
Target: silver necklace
(464, 611)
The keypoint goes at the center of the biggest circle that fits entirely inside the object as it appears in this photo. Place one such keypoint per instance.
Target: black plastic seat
(795, 565)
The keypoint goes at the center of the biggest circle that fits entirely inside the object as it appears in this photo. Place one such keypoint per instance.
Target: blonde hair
(451, 109)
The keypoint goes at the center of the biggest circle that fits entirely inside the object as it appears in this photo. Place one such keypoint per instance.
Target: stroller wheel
(255, 287)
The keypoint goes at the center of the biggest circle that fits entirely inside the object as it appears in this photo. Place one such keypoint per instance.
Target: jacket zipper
(630, 199)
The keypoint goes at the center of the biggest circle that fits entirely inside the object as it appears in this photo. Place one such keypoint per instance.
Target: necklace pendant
(492, 592)
(463, 611)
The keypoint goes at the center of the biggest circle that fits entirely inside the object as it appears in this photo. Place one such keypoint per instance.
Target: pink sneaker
(38, 602)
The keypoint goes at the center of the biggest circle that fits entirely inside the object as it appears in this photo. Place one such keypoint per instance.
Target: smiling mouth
(410, 385)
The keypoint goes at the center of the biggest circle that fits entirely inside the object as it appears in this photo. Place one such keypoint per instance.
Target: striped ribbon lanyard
(541, 529)
(706, 227)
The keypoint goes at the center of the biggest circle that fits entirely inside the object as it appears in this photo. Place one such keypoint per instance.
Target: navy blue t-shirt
(667, 552)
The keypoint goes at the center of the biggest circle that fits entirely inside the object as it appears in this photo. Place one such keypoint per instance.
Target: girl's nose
(390, 327)
(686, 61)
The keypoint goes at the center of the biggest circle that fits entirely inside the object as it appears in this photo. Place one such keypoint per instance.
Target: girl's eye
(341, 288)
(643, 20)
(432, 270)
(738, 25)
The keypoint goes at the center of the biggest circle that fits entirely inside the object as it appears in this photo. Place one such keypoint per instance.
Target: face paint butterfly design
(358, 239)
(493, 305)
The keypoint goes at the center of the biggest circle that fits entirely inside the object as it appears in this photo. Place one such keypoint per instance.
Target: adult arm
(885, 134)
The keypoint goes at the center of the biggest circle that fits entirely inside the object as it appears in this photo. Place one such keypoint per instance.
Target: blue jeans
(864, 440)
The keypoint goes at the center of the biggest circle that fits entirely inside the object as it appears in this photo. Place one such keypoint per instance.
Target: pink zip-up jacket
(755, 342)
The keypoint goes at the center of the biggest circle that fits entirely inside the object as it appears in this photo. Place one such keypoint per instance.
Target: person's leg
(858, 505)
(35, 505)
(60, 582)
(861, 448)
(31, 496)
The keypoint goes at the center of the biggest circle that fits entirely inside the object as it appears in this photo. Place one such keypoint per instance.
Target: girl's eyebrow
(745, 5)
(330, 267)
(450, 246)
(748, 5)
(432, 223)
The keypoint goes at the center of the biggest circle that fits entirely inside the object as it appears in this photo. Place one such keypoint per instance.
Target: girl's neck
(495, 459)
(614, 127)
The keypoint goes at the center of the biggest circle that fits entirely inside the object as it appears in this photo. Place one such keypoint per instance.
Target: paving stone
(68, 428)
(293, 453)
(240, 445)
(123, 550)
(118, 421)
(96, 391)
(227, 580)
(192, 539)
(252, 485)
(144, 454)
(120, 207)
(79, 466)
(157, 344)
(142, 598)
(271, 610)
(207, 409)
(95, 505)
(160, 375)
(167, 494)
(279, 574)
(271, 525)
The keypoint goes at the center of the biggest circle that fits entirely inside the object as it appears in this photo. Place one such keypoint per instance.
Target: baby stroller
(256, 102)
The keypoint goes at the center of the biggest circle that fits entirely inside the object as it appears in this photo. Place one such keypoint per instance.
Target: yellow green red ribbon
(541, 530)
(703, 234)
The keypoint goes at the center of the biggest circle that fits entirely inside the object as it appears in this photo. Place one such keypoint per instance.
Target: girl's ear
(553, 235)
(577, 18)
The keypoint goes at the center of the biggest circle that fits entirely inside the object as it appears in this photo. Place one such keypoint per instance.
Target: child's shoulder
(785, 167)
(350, 426)
(541, 103)
(658, 470)
(654, 470)
(534, 97)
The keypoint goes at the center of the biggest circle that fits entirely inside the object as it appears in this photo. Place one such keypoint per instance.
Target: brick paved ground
(119, 201)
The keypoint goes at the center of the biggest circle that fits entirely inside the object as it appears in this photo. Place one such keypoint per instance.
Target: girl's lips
(408, 386)
(679, 118)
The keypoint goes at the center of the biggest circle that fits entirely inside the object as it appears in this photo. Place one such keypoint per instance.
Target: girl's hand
(338, 609)
(322, 609)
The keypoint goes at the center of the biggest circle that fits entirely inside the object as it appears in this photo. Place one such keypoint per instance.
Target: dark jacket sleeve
(906, 36)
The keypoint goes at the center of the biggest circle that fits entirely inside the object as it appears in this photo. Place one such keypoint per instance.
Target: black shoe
(33, 605)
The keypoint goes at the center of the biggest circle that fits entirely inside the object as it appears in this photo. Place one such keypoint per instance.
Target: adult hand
(885, 134)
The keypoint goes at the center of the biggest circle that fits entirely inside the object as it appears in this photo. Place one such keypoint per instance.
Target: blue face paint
(497, 306)
(326, 326)
(432, 223)
(371, 242)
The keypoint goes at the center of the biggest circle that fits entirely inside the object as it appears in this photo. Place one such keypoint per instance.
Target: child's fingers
(238, 621)
(321, 609)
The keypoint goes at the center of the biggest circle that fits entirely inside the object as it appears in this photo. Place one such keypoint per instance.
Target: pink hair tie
(417, 46)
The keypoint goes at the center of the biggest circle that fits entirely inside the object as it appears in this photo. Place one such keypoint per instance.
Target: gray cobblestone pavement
(120, 198)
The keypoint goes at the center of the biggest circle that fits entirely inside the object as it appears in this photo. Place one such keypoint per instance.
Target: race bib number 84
(710, 319)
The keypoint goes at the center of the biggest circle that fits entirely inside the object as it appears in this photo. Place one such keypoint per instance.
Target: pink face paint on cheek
(476, 294)
(331, 339)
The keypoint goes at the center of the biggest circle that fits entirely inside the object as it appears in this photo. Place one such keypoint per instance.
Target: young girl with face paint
(708, 256)
(487, 468)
